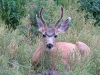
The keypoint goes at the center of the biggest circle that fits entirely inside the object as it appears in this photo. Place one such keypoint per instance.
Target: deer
(51, 46)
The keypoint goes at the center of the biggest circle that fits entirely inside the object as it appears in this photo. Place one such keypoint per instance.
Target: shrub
(12, 11)
(92, 9)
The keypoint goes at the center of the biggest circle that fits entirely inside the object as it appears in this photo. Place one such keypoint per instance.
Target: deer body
(52, 48)
(60, 47)
(65, 49)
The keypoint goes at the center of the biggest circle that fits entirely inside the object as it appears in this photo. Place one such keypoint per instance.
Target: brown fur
(64, 49)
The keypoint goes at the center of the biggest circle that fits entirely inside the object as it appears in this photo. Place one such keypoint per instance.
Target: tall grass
(16, 50)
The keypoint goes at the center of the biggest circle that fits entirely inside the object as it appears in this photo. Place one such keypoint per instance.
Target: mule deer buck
(50, 45)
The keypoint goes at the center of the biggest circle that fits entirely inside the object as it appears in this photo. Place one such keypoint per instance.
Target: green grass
(79, 30)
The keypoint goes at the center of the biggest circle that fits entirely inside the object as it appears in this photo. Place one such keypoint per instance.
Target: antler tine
(59, 18)
(42, 17)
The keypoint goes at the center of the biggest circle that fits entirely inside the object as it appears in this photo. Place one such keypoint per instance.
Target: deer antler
(59, 18)
(42, 19)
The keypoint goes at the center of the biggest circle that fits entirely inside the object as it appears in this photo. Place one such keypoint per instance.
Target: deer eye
(44, 35)
(55, 36)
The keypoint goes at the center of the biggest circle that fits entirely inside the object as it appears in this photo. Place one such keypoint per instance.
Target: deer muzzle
(49, 46)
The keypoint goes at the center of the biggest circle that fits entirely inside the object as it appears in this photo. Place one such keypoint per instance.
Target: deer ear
(64, 26)
(40, 24)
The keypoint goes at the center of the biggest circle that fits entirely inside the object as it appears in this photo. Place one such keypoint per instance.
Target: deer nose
(49, 46)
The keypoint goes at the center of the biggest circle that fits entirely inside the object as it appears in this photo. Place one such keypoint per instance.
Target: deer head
(50, 34)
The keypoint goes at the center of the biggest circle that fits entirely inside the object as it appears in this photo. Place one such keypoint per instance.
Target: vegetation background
(19, 37)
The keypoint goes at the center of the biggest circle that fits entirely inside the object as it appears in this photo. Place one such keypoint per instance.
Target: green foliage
(12, 11)
(65, 3)
(92, 8)
(34, 7)
(15, 65)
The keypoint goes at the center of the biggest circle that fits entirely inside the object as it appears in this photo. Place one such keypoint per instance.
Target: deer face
(49, 38)
(50, 34)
